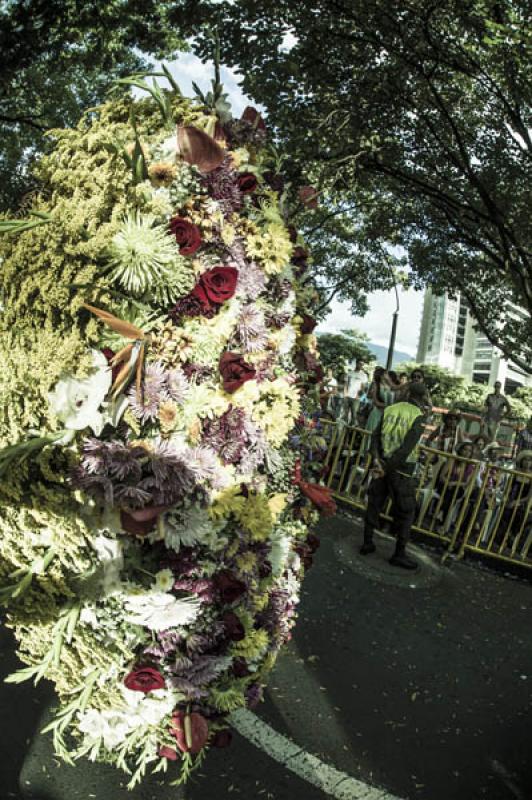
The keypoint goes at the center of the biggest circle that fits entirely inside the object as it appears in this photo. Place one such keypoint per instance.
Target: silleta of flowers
(159, 375)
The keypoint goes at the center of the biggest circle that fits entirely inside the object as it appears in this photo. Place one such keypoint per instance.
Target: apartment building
(449, 338)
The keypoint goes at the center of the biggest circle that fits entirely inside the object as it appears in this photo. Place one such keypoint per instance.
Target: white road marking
(330, 780)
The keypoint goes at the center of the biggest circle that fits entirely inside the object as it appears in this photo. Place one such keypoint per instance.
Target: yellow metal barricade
(467, 505)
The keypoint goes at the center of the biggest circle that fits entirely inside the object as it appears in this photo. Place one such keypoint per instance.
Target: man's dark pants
(402, 490)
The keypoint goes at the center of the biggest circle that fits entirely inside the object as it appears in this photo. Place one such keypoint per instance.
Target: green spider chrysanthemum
(144, 259)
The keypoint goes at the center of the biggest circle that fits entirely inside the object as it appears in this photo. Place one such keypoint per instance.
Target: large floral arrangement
(157, 387)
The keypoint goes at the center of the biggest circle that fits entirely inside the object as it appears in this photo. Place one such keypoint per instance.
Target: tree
(416, 115)
(59, 58)
(338, 349)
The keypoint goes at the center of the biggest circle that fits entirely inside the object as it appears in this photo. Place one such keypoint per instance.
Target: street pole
(391, 346)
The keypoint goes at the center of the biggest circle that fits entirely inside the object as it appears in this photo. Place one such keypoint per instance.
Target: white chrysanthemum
(159, 611)
(191, 527)
(76, 402)
(144, 258)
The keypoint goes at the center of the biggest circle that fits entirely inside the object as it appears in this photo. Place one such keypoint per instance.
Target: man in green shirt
(394, 455)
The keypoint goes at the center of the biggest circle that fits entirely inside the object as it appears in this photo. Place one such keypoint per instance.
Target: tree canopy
(415, 115)
(58, 59)
(339, 349)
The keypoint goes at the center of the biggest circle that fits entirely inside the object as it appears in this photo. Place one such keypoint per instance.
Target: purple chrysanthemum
(251, 330)
(153, 391)
(222, 185)
(177, 385)
(252, 281)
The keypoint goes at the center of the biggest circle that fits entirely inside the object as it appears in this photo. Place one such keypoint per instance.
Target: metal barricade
(465, 504)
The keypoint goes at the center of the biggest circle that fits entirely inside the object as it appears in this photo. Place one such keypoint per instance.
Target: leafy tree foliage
(59, 58)
(415, 115)
(338, 349)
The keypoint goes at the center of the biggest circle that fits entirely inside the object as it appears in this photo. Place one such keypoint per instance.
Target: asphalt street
(418, 684)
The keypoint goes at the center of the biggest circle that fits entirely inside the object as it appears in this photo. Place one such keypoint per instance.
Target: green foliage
(413, 120)
(60, 58)
(338, 349)
(453, 391)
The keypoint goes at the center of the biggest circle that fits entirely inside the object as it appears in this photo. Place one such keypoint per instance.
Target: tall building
(443, 331)
(450, 338)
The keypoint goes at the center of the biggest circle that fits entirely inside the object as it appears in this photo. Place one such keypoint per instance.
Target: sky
(377, 322)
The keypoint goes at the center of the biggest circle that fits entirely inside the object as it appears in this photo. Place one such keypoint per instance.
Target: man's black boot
(400, 559)
(368, 546)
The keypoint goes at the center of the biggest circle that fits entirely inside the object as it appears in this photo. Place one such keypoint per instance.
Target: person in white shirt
(330, 387)
(356, 381)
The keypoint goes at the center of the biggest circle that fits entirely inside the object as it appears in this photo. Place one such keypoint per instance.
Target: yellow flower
(168, 416)
(271, 246)
(247, 562)
(227, 501)
(255, 515)
(162, 173)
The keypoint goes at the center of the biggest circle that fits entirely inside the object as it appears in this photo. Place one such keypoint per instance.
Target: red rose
(233, 628)
(247, 182)
(229, 587)
(234, 371)
(219, 284)
(187, 235)
(144, 679)
(191, 731)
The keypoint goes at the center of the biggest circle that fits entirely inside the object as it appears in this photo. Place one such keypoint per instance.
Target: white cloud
(188, 68)
(377, 323)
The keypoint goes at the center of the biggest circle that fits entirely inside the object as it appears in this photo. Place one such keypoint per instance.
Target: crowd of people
(395, 413)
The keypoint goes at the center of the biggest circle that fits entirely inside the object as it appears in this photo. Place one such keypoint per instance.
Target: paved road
(418, 684)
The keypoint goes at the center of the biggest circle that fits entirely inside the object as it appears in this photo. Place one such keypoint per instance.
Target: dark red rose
(187, 235)
(228, 587)
(313, 542)
(222, 738)
(240, 668)
(144, 679)
(247, 182)
(308, 324)
(252, 116)
(233, 627)
(191, 731)
(219, 284)
(234, 371)
(167, 752)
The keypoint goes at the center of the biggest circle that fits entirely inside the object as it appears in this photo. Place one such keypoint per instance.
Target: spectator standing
(356, 381)
(380, 396)
(496, 406)
(447, 434)
(523, 440)
(330, 387)
(394, 455)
